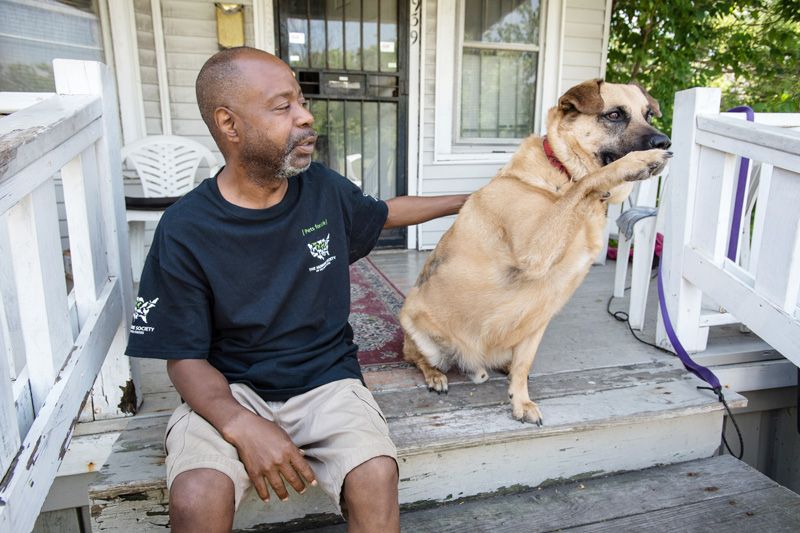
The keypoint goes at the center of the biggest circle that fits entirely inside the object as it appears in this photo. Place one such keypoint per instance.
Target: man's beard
(265, 161)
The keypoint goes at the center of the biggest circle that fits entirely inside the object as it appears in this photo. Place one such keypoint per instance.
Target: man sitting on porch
(245, 292)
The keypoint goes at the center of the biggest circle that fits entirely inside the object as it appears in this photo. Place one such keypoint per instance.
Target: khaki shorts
(338, 426)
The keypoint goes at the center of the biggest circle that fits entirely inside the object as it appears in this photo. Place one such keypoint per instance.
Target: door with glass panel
(351, 65)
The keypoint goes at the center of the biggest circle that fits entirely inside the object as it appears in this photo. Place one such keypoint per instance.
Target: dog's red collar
(548, 151)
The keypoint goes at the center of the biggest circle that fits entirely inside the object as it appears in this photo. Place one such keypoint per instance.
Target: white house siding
(147, 66)
(583, 57)
(584, 44)
(438, 178)
(190, 38)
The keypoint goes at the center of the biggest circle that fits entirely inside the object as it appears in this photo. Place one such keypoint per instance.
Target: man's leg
(201, 500)
(346, 441)
(206, 479)
(370, 491)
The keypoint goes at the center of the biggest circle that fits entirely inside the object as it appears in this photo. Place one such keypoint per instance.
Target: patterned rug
(374, 306)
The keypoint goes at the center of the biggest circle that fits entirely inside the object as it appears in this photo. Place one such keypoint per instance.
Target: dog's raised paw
(647, 163)
(528, 412)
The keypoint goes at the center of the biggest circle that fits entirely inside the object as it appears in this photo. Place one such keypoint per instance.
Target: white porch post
(126, 63)
(263, 23)
(116, 386)
(683, 299)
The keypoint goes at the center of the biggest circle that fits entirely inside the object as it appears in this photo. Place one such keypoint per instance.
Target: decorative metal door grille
(351, 64)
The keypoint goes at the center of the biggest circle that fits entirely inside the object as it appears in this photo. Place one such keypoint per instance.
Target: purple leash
(733, 242)
(698, 370)
(744, 166)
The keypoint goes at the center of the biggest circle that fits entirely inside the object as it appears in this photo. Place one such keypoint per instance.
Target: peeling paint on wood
(32, 458)
(11, 141)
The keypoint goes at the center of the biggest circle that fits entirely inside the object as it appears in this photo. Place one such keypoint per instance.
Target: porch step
(716, 494)
(597, 422)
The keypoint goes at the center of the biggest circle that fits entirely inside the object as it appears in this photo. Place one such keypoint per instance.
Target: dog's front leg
(522, 408)
(568, 213)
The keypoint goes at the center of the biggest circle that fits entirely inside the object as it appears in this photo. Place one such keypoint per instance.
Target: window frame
(448, 149)
(511, 142)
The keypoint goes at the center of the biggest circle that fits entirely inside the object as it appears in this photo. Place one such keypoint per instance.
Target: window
(33, 33)
(489, 88)
(498, 63)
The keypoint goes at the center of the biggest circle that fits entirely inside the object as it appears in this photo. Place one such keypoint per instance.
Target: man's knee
(197, 495)
(374, 474)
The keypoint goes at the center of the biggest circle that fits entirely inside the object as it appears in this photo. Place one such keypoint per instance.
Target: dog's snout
(659, 140)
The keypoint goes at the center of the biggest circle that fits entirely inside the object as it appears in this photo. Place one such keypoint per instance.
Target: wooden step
(716, 494)
(465, 443)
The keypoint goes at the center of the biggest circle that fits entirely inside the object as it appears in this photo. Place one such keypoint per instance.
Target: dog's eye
(614, 115)
(649, 116)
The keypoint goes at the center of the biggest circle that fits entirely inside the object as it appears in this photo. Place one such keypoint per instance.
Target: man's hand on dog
(267, 454)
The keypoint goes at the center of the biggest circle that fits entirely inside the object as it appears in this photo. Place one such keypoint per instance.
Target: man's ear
(226, 123)
(583, 98)
(652, 102)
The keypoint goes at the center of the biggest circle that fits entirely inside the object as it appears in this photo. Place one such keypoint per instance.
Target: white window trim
(469, 144)
(122, 19)
(447, 148)
(263, 24)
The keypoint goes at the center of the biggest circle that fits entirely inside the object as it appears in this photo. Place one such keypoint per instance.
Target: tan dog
(522, 244)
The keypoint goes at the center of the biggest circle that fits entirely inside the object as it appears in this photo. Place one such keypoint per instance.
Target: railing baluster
(712, 208)
(39, 273)
(683, 299)
(9, 300)
(9, 430)
(86, 237)
(760, 215)
(778, 269)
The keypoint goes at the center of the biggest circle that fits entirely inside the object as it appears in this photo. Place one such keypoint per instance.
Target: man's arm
(264, 448)
(410, 210)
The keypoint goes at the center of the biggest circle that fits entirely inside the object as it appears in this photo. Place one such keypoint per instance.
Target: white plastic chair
(167, 167)
(350, 168)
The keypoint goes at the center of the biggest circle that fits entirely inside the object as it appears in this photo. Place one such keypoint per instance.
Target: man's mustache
(302, 137)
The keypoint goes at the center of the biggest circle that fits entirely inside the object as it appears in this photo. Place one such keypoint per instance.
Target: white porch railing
(53, 343)
(698, 210)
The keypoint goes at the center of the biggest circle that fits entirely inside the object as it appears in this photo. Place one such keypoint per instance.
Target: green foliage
(748, 48)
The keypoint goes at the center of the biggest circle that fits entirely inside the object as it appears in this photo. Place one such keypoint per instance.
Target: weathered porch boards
(716, 494)
(610, 405)
(465, 443)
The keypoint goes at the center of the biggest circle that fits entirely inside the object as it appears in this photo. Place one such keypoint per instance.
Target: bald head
(221, 82)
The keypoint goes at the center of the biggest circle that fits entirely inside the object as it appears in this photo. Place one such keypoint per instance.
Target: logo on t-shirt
(140, 312)
(320, 250)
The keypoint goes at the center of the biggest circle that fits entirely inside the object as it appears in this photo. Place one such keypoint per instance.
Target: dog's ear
(652, 102)
(583, 98)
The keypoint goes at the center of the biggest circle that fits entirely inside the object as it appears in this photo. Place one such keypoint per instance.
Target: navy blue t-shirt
(262, 294)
